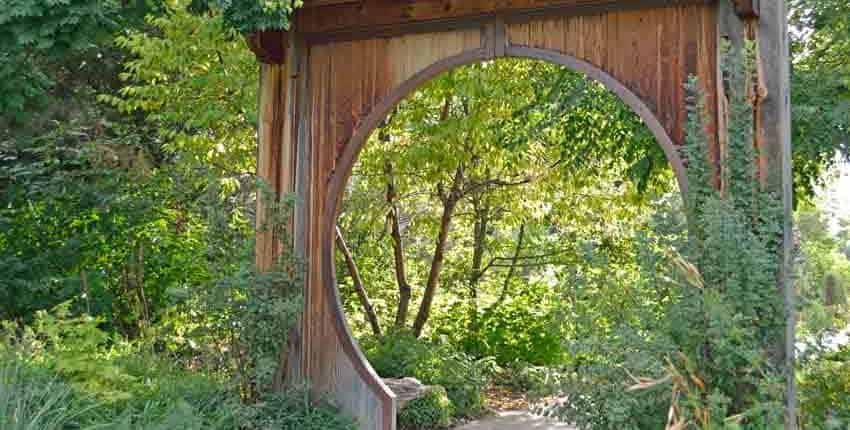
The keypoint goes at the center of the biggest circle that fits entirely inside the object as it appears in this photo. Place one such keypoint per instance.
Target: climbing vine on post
(727, 373)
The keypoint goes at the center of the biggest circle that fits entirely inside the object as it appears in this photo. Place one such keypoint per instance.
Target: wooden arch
(328, 82)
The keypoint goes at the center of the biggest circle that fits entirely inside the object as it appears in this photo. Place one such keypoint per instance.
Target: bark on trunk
(358, 283)
(404, 289)
(139, 281)
(506, 286)
(450, 201)
(482, 217)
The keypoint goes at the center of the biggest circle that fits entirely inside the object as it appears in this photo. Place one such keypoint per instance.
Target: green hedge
(464, 378)
(434, 410)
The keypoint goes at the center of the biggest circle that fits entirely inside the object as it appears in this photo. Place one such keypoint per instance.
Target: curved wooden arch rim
(624, 93)
(345, 164)
(335, 187)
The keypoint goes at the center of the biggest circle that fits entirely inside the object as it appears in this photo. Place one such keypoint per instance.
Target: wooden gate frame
(329, 81)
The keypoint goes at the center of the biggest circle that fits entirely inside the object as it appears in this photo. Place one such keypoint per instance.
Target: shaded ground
(515, 420)
(511, 412)
(503, 399)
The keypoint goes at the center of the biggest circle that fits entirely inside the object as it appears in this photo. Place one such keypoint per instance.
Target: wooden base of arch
(346, 64)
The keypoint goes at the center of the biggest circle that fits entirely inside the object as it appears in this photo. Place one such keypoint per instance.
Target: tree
(820, 89)
(479, 160)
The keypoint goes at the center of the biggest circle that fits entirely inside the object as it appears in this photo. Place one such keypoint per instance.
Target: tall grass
(33, 400)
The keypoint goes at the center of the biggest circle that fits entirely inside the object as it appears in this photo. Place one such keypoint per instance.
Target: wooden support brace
(747, 8)
(269, 46)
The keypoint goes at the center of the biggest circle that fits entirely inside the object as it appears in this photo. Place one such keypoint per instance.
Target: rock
(407, 389)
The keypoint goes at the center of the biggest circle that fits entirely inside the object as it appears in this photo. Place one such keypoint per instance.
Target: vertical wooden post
(269, 154)
(275, 154)
(775, 133)
(276, 160)
(767, 23)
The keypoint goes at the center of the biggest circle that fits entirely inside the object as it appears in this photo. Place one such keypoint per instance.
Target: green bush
(33, 399)
(49, 379)
(825, 390)
(432, 411)
(295, 410)
(463, 377)
(396, 355)
(36, 398)
(519, 330)
(525, 378)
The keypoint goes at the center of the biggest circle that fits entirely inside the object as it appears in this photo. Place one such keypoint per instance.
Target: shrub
(35, 398)
(49, 379)
(463, 377)
(825, 390)
(293, 410)
(432, 411)
(32, 399)
(537, 381)
(396, 355)
(519, 329)
(72, 346)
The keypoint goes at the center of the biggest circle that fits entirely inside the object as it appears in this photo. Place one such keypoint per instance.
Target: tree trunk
(511, 271)
(358, 283)
(404, 289)
(449, 204)
(482, 215)
(139, 280)
(84, 280)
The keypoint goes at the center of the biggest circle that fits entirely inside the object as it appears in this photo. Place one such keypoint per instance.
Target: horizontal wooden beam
(333, 20)
(318, 3)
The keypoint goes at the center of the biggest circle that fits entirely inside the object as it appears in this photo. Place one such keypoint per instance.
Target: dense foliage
(127, 228)
(513, 223)
(64, 372)
(462, 376)
(622, 313)
(820, 93)
(432, 411)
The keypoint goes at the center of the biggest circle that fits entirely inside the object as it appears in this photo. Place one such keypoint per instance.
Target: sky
(835, 195)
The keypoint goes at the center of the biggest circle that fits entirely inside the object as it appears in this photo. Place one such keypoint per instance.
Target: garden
(513, 237)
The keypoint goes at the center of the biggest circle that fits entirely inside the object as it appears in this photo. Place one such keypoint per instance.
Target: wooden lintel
(319, 3)
(747, 8)
(269, 46)
(345, 20)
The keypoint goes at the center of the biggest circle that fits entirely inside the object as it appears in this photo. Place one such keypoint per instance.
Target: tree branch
(358, 283)
(507, 283)
(404, 289)
(449, 205)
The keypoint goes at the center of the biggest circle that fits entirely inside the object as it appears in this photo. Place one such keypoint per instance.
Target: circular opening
(428, 126)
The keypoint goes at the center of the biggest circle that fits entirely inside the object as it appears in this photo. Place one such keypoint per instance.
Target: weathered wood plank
(347, 80)
(652, 52)
(359, 57)
(386, 18)
(776, 134)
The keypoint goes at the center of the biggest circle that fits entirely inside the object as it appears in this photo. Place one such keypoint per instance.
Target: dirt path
(515, 420)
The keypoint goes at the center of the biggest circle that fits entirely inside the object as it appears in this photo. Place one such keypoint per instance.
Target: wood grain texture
(352, 84)
(345, 81)
(389, 17)
(652, 52)
(350, 61)
(643, 51)
(275, 157)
